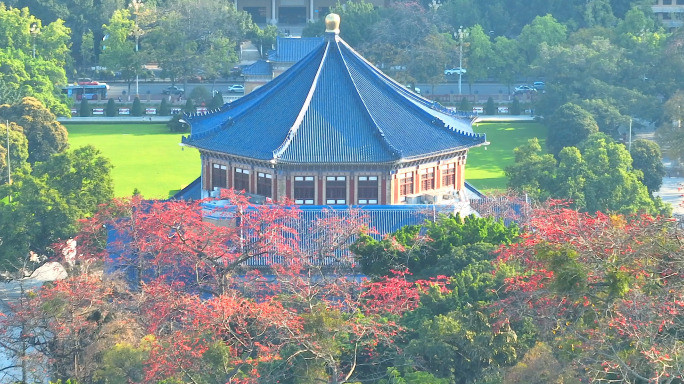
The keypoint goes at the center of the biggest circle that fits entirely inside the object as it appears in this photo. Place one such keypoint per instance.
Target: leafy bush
(515, 108)
(137, 109)
(85, 110)
(111, 108)
(164, 108)
(490, 108)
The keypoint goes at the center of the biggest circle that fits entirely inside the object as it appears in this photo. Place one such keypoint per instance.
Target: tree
(596, 176)
(515, 107)
(136, 109)
(46, 136)
(266, 37)
(408, 249)
(46, 203)
(532, 172)
(596, 308)
(188, 36)
(23, 75)
(164, 108)
(490, 108)
(427, 61)
(647, 158)
(479, 55)
(111, 108)
(507, 60)
(18, 146)
(543, 29)
(84, 109)
(200, 96)
(315, 319)
(568, 126)
(670, 134)
(358, 18)
(118, 50)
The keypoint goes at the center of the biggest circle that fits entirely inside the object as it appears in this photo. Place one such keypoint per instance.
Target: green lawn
(145, 156)
(485, 166)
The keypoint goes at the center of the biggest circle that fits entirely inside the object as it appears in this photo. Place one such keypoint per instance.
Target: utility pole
(136, 4)
(629, 148)
(460, 35)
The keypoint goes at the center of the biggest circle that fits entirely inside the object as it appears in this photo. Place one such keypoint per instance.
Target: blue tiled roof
(291, 50)
(192, 192)
(260, 68)
(332, 107)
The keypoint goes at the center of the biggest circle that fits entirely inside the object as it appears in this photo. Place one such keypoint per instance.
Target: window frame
(216, 170)
(427, 179)
(449, 174)
(406, 187)
(265, 183)
(363, 191)
(336, 190)
(239, 181)
(305, 198)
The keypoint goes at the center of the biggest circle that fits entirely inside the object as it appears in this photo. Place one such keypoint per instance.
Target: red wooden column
(207, 175)
(274, 187)
(288, 187)
(383, 190)
(438, 176)
(351, 190)
(320, 190)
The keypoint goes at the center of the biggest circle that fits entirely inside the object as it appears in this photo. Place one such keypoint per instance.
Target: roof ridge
(390, 146)
(387, 85)
(302, 112)
(388, 82)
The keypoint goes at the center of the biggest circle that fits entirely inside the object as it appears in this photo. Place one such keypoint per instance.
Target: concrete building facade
(670, 13)
(290, 12)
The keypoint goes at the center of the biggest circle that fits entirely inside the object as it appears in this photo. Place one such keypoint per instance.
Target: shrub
(515, 108)
(465, 106)
(189, 107)
(164, 108)
(216, 101)
(175, 125)
(137, 109)
(490, 108)
(200, 95)
(111, 108)
(85, 110)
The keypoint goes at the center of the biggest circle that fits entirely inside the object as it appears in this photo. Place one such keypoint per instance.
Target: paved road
(156, 88)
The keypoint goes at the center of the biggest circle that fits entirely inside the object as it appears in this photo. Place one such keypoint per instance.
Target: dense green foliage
(597, 175)
(568, 126)
(405, 249)
(647, 158)
(46, 136)
(25, 74)
(164, 108)
(45, 202)
(490, 108)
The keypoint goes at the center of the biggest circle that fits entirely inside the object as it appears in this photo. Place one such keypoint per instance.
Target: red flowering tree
(226, 294)
(606, 290)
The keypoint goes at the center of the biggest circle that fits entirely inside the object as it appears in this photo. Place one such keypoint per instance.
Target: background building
(290, 12)
(670, 13)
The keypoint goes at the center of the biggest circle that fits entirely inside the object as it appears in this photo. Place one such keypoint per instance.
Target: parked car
(538, 85)
(174, 90)
(236, 88)
(455, 71)
(524, 89)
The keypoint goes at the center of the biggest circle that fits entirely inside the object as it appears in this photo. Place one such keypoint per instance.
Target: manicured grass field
(145, 156)
(485, 167)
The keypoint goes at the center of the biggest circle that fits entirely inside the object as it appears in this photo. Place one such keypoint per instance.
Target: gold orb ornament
(332, 23)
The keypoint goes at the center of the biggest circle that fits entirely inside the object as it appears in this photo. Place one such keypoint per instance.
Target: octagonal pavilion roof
(332, 107)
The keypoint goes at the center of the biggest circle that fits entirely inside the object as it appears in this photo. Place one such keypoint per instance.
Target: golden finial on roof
(332, 23)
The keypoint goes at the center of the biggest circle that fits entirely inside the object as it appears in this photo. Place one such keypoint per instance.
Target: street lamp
(136, 4)
(460, 35)
(35, 30)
